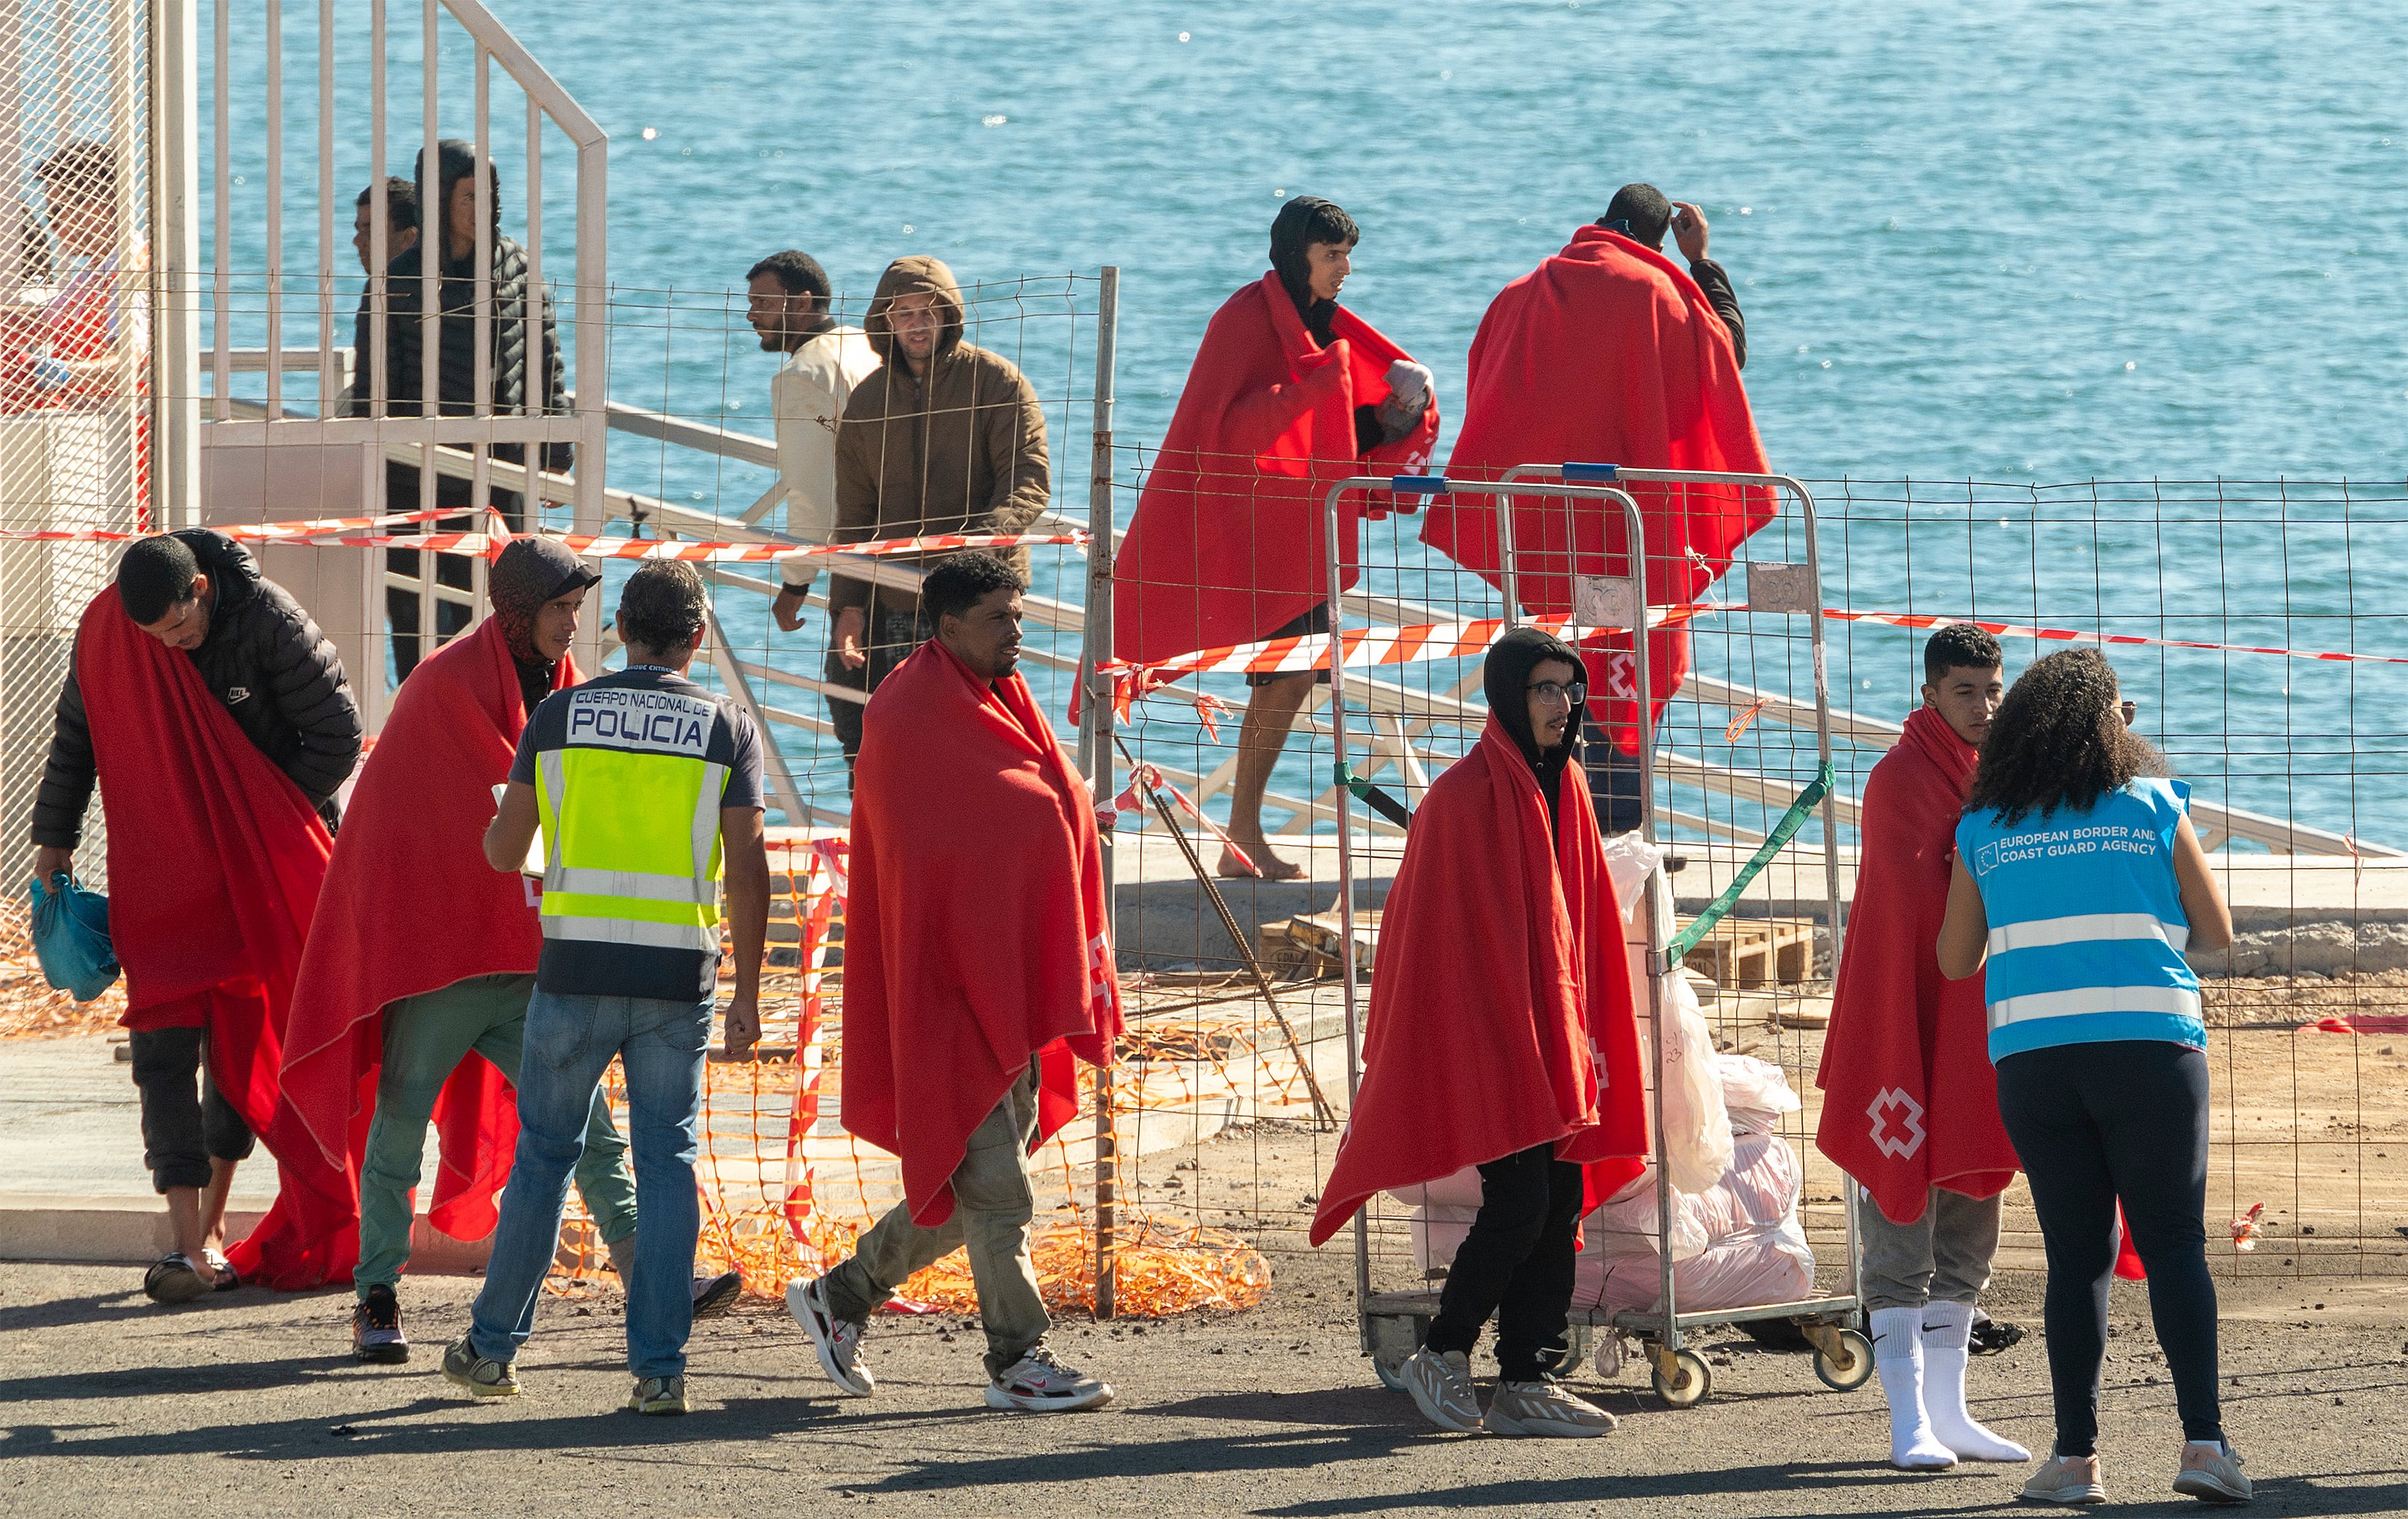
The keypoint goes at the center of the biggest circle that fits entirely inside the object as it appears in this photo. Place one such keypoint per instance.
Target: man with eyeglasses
(222, 721)
(1502, 1035)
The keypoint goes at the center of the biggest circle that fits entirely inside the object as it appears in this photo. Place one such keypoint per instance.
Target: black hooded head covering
(455, 160)
(1511, 660)
(528, 572)
(1300, 223)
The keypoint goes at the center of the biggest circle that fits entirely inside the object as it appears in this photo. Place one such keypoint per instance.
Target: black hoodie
(1504, 680)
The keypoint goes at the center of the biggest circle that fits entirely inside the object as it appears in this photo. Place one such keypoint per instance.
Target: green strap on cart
(1787, 829)
(1379, 801)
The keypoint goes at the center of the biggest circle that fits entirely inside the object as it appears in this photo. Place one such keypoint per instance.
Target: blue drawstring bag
(71, 938)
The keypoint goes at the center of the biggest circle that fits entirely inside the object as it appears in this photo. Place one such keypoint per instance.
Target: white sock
(1947, 1328)
(1898, 1355)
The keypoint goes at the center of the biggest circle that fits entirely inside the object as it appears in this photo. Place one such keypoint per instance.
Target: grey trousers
(993, 1204)
(1942, 1257)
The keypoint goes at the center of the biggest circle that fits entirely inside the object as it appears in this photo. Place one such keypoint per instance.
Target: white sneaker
(2213, 1474)
(1440, 1383)
(1544, 1407)
(837, 1341)
(1038, 1384)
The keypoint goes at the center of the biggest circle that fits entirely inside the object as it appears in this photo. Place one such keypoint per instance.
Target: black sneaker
(375, 1329)
(1990, 1336)
(715, 1294)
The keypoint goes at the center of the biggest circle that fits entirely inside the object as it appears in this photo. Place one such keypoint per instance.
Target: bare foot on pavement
(1268, 867)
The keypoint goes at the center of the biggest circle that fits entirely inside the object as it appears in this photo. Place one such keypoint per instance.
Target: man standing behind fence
(1290, 392)
(216, 718)
(640, 782)
(786, 301)
(519, 384)
(945, 437)
(978, 964)
(1910, 1110)
(1608, 352)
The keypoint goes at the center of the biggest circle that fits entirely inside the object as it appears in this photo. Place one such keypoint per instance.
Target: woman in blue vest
(2079, 881)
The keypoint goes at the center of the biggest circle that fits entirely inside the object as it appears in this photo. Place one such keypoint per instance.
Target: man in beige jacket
(787, 301)
(944, 437)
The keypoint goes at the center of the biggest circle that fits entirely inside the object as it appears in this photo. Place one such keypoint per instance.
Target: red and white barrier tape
(246, 532)
(2064, 635)
(346, 533)
(1363, 648)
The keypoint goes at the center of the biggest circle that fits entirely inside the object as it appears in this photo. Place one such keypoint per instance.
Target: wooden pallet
(1317, 937)
(1744, 953)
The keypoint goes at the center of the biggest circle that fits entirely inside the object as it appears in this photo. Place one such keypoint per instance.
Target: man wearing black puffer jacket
(524, 349)
(215, 864)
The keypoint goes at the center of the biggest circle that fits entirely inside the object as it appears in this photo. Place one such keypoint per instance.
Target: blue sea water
(2020, 243)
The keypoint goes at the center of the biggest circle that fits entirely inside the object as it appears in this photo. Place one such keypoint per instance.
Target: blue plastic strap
(1419, 485)
(1591, 474)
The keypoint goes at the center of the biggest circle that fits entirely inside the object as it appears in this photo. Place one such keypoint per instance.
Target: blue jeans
(570, 1041)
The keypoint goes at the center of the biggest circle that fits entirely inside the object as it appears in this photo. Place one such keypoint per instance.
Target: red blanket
(1500, 1014)
(1606, 353)
(409, 906)
(1910, 1100)
(214, 855)
(977, 936)
(1228, 540)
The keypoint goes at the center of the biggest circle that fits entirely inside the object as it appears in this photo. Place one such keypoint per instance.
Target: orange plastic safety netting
(785, 1190)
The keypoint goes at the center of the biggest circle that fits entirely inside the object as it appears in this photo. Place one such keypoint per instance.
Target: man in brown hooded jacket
(943, 436)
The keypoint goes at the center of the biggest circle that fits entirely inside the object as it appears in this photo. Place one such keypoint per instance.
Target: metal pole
(1095, 740)
(175, 242)
(1345, 884)
(275, 223)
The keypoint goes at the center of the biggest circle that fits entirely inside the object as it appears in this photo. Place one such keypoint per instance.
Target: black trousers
(1516, 1263)
(450, 570)
(893, 637)
(2095, 1124)
(184, 1127)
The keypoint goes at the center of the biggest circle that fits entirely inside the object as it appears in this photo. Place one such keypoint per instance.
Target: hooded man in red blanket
(1289, 393)
(978, 963)
(1611, 353)
(217, 722)
(1501, 1034)
(1910, 1106)
(387, 1015)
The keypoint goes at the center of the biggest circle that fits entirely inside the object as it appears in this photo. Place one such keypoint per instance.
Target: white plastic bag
(1697, 1125)
(1755, 1092)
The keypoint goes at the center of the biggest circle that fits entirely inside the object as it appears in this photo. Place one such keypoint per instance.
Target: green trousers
(425, 1038)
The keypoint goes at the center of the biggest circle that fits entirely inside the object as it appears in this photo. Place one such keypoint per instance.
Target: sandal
(172, 1280)
(228, 1278)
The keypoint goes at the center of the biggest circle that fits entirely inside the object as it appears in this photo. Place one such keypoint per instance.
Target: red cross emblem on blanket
(1898, 1124)
(1621, 676)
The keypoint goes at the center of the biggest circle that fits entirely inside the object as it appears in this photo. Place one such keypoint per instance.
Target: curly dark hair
(2059, 741)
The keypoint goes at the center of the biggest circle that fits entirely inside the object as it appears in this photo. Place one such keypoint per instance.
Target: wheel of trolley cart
(1690, 1379)
(1851, 1368)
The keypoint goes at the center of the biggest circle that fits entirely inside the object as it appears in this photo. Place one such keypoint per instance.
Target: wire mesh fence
(74, 278)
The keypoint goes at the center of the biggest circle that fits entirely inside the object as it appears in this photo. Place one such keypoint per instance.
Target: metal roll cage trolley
(1393, 1324)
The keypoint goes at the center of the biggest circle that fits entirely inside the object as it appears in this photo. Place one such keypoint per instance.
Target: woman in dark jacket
(513, 391)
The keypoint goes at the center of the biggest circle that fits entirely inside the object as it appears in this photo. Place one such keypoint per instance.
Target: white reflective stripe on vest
(659, 936)
(706, 817)
(2087, 928)
(635, 883)
(2180, 1001)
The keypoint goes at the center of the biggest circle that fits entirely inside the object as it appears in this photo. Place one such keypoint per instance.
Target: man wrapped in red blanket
(1290, 392)
(1911, 1104)
(1501, 1034)
(389, 1016)
(218, 722)
(1609, 353)
(978, 964)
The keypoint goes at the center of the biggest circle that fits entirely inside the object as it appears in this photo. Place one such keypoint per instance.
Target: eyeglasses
(1551, 691)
